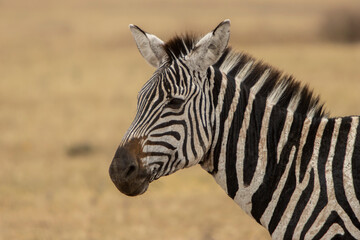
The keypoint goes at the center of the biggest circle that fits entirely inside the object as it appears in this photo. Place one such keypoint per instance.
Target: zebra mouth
(133, 188)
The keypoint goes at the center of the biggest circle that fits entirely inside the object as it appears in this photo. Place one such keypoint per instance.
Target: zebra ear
(209, 49)
(150, 46)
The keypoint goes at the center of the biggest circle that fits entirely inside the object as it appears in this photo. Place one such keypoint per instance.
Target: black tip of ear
(132, 26)
(226, 21)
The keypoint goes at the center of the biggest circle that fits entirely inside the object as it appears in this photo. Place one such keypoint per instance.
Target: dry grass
(69, 77)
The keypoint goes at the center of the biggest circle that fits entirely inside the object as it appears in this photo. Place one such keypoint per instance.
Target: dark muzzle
(126, 170)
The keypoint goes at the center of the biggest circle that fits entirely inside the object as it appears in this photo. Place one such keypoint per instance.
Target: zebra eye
(175, 103)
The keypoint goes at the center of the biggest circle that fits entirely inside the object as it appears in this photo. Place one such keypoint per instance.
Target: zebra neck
(255, 142)
(273, 161)
(248, 141)
(287, 165)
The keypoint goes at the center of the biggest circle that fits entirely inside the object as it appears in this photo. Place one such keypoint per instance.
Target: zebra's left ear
(150, 46)
(209, 49)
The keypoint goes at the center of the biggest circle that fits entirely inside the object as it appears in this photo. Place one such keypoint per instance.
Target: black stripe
(240, 66)
(174, 112)
(197, 125)
(252, 139)
(159, 163)
(177, 73)
(174, 134)
(186, 76)
(300, 206)
(337, 170)
(289, 187)
(146, 97)
(169, 123)
(308, 147)
(166, 165)
(176, 156)
(332, 219)
(211, 104)
(229, 95)
(288, 93)
(222, 58)
(160, 143)
(170, 81)
(153, 115)
(231, 145)
(237, 67)
(257, 71)
(177, 164)
(184, 67)
(191, 126)
(274, 171)
(184, 146)
(217, 86)
(355, 162)
(322, 159)
(202, 115)
(269, 84)
(153, 119)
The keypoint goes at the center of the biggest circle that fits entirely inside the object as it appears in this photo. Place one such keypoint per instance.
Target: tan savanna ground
(69, 75)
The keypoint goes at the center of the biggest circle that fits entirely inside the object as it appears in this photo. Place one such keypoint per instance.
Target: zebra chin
(132, 189)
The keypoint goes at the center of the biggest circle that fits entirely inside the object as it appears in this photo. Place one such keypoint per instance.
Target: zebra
(265, 137)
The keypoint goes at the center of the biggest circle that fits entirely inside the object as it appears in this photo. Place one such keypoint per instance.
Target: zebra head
(173, 127)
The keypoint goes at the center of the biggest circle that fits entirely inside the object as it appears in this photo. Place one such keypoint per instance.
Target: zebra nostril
(130, 171)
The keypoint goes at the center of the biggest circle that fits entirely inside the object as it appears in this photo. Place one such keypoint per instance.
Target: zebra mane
(180, 46)
(278, 88)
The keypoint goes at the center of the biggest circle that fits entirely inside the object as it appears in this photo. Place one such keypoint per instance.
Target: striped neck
(237, 82)
(256, 139)
(272, 160)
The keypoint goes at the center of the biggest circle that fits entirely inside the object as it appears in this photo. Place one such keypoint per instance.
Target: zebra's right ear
(150, 46)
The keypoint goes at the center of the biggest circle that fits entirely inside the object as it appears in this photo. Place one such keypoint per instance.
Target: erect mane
(180, 46)
(280, 88)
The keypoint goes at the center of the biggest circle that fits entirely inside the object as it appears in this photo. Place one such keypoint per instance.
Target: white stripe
(284, 134)
(278, 91)
(243, 194)
(332, 231)
(220, 177)
(209, 165)
(259, 83)
(347, 169)
(294, 102)
(231, 60)
(244, 72)
(304, 134)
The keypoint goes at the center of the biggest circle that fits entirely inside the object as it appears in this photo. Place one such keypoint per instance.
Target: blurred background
(69, 76)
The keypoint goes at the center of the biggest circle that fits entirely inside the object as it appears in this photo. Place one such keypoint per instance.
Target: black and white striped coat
(263, 136)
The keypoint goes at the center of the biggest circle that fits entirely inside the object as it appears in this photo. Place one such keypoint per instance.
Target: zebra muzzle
(127, 172)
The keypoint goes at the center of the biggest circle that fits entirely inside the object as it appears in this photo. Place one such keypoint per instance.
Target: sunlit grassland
(69, 75)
